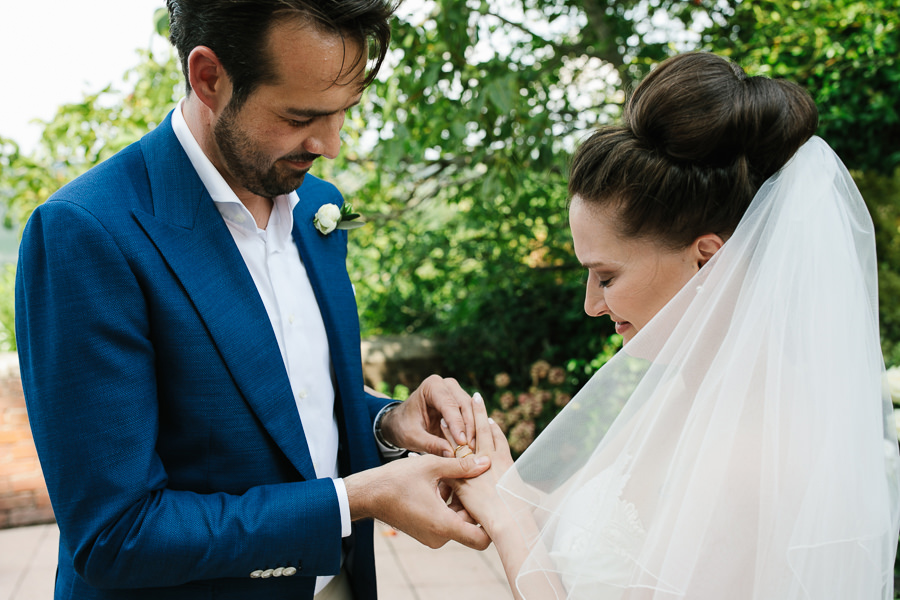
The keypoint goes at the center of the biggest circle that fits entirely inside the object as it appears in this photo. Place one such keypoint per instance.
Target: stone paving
(406, 569)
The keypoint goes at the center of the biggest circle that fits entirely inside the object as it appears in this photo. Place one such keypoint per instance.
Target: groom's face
(629, 279)
(268, 144)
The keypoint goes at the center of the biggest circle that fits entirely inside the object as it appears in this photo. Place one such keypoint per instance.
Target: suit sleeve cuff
(344, 504)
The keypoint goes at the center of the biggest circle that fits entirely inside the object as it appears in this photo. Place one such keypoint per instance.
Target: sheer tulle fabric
(742, 444)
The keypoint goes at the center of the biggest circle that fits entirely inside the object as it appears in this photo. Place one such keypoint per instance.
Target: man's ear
(706, 246)
(209, 81)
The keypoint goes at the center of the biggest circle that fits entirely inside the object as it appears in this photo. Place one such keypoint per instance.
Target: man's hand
(405, 494)
(416, 423)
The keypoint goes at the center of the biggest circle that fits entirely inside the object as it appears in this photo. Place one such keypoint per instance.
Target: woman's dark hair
(238, 32)
(699, 139)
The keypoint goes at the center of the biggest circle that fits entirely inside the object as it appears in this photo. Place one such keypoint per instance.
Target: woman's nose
(594, 302)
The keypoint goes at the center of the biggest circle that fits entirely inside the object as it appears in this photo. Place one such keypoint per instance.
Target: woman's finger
(499, 437)
(484, 438)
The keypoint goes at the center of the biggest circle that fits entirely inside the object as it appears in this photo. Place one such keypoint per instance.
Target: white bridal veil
(742, 445)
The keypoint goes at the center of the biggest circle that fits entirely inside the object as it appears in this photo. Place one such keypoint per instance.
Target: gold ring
(465, 455)
(462, 447)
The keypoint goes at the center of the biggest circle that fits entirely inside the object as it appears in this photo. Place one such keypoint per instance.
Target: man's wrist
(385, 445)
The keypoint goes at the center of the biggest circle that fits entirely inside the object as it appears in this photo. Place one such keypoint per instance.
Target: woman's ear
(705, 247)
(208, 78)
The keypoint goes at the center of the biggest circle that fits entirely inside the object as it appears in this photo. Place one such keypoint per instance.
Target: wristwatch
(378, 419)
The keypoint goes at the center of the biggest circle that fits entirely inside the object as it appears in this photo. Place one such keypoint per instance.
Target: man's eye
(296, 123)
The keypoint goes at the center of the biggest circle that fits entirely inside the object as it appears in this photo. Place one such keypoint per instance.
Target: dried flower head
(521, 436)
(500, 418)
(539, 370)
(562, 399)
(556, 376)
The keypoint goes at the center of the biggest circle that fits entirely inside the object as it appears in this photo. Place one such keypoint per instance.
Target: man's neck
(201, 121)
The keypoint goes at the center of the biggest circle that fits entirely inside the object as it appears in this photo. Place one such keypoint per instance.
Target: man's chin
(284, 185)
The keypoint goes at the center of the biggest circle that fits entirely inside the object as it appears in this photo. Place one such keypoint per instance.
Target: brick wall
(23, 495)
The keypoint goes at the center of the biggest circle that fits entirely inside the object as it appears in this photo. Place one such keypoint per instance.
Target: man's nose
(325, 136)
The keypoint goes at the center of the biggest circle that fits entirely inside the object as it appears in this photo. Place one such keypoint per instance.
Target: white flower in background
(327, 218)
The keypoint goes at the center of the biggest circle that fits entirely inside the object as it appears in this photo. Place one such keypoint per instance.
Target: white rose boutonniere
(330, 217)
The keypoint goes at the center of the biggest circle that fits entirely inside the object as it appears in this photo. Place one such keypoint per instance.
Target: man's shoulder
(121, 182)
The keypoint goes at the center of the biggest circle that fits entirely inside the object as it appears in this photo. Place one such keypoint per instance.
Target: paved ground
(406, 569)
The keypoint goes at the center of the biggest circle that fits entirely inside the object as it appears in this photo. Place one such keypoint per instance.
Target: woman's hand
(479, 494)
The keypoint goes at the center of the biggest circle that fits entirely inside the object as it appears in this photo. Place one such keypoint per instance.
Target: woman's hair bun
(701, 108)
(698, 140)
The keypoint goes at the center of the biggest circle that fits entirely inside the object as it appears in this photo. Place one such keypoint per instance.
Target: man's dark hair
(238, 32)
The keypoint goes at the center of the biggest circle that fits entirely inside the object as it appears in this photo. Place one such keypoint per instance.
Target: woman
(738, 446)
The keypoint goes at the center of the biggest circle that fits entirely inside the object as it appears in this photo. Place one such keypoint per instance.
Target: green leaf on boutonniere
(350, 219)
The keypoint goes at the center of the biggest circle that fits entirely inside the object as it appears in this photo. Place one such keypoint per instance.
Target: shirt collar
(229, 205)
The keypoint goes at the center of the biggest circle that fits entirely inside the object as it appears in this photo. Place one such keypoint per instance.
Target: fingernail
(491, 421)
(477, 398)
(443, 424)
(482, 460)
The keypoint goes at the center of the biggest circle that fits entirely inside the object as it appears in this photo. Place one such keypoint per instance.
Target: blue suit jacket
(160, 406)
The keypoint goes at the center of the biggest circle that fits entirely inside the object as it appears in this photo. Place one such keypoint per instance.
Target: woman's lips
(622, 326)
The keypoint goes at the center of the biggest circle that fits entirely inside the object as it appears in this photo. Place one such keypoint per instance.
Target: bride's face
(629, 280)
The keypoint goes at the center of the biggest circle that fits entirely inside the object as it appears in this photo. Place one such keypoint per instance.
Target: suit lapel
(195, 242)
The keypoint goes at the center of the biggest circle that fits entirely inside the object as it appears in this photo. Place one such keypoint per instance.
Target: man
(189, 341)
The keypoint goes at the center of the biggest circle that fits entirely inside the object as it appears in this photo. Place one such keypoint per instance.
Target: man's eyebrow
(317, 112)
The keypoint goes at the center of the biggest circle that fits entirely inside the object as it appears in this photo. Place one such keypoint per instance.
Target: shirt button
(303, 394)
(289, 571)
(256, 574)
(291, 319)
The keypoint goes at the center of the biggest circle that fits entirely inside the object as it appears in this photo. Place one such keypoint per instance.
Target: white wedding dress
(597, 555)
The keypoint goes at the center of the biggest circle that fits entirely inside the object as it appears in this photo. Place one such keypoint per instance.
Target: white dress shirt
(283, 284)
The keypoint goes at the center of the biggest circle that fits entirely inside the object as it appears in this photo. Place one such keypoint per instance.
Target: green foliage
(882, 194)
(85, 133)
(400, 391)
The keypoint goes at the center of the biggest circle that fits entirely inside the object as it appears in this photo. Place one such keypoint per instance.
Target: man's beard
(249, 167)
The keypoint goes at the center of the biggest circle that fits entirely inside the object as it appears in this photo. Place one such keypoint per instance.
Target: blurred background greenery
(458, 158)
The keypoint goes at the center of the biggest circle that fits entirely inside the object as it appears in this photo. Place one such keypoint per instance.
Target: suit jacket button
(289, 571)
(256, 574)
(278, 572)
(267, 573)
